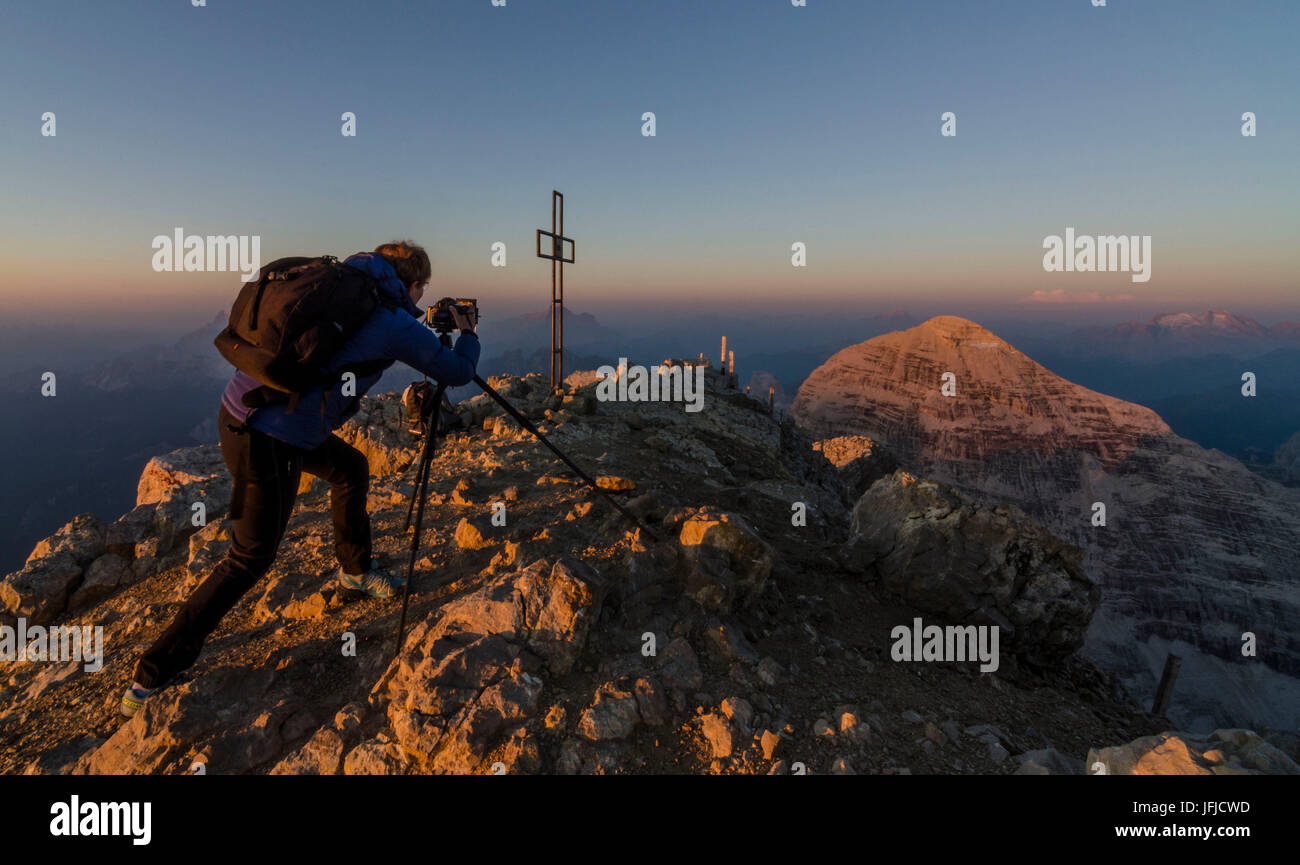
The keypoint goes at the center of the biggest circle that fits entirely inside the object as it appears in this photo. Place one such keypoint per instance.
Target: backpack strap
(257, 303)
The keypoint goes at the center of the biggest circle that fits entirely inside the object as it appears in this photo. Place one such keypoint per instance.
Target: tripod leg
(537, 434)
(421, 478)
(418, 502)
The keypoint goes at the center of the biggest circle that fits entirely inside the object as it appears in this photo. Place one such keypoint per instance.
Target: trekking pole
(528, 425)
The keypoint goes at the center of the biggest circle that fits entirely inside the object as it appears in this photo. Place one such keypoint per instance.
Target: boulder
(184, 468)
(175, 483)
(469, 675)
(651, 702)
(322, 754)
(104, 576)
(582, 379)
(521, 754)
(650, 573)
(82, 539)
(40, 591)
(858, 460)
(718, 734)
(373, 757)
(1223, 752)
(208, 546)
(125, 535)
(474, 533)
(487, 722)
(729, 564)
(679, 666)
(612, 715)
(380, 431)
(730, 643)
(739, 712)
(226, 711)
(974, 565)
(561, 599)
(579, 404)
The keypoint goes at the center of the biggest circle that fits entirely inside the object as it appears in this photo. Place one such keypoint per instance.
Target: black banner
(238, 814)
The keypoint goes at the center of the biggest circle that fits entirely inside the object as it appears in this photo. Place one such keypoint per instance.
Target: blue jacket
(390, 334)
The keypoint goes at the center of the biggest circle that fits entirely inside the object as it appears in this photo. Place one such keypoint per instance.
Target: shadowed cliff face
(562, 641)
(1196, 550)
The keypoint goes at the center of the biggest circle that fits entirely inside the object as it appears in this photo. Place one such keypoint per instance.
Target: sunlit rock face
(1196, 551)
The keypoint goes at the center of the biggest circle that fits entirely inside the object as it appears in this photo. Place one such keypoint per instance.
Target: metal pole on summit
(558, 260)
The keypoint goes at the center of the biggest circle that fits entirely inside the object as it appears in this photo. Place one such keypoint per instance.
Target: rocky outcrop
(237, 715)
(39, 592)
(381, 432)
(1193, 551)
(859, 461)
(469, 680)
(187, 489)
(87, 561)
(974, 565)
(726, 562)
(82, 540)
(1223, 752)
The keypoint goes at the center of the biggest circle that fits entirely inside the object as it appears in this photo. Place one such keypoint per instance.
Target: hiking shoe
(375, 583)
(134, 698)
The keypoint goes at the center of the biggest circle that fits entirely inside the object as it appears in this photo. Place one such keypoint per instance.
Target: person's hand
(465, 322)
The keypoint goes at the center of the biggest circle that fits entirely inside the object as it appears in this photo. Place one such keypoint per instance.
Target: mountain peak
(1000, 400)
(1218, 320)
(953, 327)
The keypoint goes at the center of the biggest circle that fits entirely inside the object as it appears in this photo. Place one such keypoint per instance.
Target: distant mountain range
(80, 449)
(1196, 549)
(1177, 334)
(1189, 367)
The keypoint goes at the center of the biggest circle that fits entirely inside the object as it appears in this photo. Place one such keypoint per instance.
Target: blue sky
(775, 124)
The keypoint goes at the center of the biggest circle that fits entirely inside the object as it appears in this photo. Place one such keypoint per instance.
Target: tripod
(431, 425)
(431, 420)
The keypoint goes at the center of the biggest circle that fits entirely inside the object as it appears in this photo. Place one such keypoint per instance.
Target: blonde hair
(409, 260)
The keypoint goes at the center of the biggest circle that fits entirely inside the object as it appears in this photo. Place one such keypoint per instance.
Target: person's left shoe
(133, 699)
(374, 583)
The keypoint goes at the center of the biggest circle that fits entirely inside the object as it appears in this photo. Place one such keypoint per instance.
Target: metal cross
(558, 260)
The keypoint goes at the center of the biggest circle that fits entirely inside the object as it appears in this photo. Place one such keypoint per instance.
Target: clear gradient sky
(775, 124)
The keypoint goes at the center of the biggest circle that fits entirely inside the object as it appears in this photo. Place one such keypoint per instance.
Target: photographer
(267, 448)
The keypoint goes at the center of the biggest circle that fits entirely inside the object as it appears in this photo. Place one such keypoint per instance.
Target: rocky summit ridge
(566, 641)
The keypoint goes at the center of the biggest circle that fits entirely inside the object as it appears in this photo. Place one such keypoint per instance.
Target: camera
(439, 315)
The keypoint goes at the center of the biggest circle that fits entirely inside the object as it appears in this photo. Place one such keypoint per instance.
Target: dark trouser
(270, 472)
